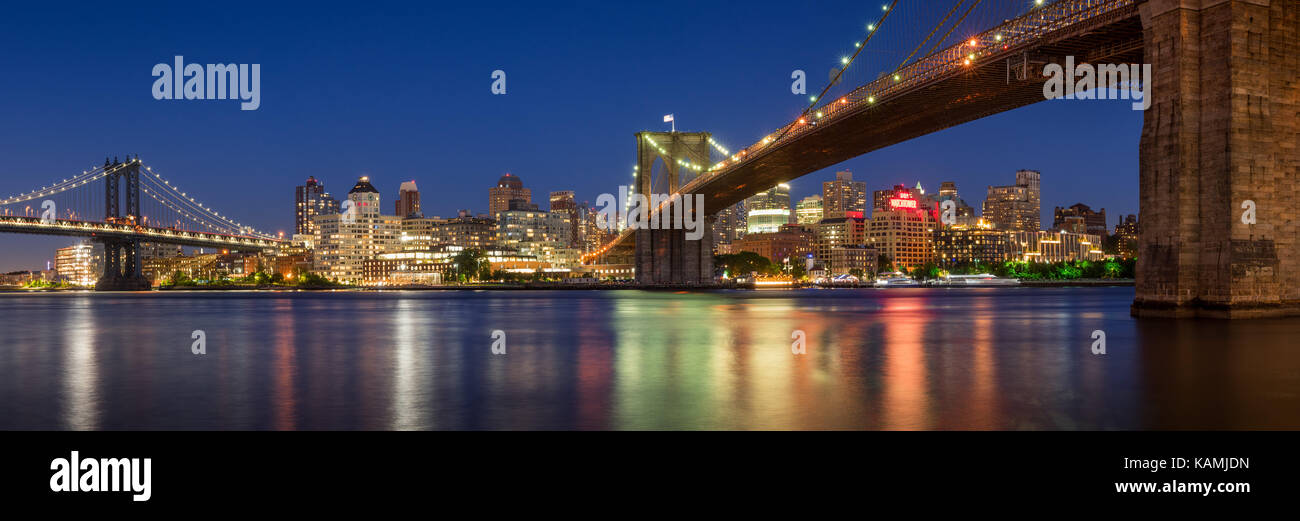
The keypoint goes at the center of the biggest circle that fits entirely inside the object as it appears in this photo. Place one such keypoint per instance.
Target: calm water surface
(996, 358)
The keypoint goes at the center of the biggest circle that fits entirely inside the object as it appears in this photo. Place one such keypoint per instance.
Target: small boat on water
(983, 279)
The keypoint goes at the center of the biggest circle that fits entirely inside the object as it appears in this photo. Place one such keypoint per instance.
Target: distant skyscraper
(311, 200)
(768, 211)
(509, 188)
(408, 200)
(1016, 207)
(809, 211)
(844, 197)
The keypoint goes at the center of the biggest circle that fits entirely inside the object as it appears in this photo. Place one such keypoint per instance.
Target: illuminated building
(843, 196)
(1126, 235)
(79, 264)
(509, 188)
(790, 241)
(437, 264)
(809, 210)
(838, 232)
(1016, 207)
(964, 244)
(563, 202)
(880, 198)
(545, 235)
(311, 200)
(846, 260)
(1067, 219)
(344, 241)
(1051, 247)
(903, 231)
(408, 201)
(768, 211)
(728, 226)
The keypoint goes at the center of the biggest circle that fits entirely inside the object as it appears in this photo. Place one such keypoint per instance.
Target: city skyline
(441, 126)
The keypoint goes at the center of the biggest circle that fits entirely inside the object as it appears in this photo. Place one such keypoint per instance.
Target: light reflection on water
(997, 358)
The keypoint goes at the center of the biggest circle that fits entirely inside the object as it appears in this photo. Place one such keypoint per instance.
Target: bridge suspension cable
(210, 216)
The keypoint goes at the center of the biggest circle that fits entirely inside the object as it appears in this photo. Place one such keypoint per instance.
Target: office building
(1049, 247)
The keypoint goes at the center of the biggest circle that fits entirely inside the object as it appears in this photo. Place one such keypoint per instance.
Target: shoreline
(1083, 283)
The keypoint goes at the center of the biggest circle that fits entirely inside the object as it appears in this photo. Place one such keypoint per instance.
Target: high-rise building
(79, 264)
(809, 211)
(1126, 235)
(311, 200)
(903, 231)
(344, 241)
(408, 201)
(729, 226)
(1016, 207)
(1094, 222)
(844, 197)
(768, 211)
(509, 188)
(563, 202)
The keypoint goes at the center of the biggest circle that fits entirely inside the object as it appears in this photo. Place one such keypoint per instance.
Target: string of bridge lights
(897, 75)
(57, 188)
(184, 196)
(153, 195)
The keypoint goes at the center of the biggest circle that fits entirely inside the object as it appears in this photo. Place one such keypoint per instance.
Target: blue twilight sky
(402, 91)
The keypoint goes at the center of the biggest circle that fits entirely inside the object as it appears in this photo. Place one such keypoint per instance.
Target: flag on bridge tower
(669, 119)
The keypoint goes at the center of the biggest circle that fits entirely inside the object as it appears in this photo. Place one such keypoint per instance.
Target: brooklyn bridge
(1222, 129)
